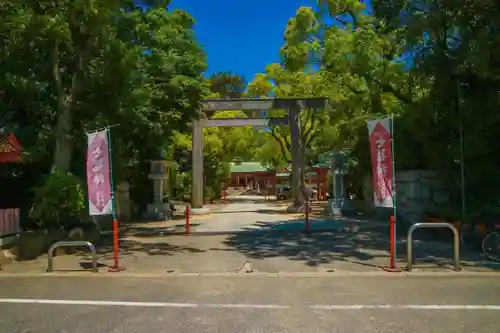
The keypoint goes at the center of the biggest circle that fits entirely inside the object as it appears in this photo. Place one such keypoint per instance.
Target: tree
(73, 66)
(453, 47)
(227, 85)
(430, 65)
(294, 77)
(109, 63)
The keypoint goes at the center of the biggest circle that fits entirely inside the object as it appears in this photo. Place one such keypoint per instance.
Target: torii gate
(253, 109)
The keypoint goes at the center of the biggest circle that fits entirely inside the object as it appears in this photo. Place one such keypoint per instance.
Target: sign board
(379, 131)
(235, 122)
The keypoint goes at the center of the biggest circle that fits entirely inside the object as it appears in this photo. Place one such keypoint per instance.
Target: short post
(188, 225)
(306, 194)
(116, 267)
(392, 234)
(307, 216)
(393, 238)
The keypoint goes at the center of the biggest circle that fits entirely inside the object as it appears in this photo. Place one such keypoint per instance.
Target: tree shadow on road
(353, 242)
(130, 247)
(284, 239)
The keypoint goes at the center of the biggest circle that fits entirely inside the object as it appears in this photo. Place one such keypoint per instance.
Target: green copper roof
(247, 167)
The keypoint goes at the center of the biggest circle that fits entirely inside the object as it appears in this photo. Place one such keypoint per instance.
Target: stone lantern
(159, 174)
(338, 170)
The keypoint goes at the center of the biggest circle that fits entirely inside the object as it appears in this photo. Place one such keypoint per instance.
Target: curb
(174, 274)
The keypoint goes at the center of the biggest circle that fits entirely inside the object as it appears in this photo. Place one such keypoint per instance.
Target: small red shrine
(10, 149)
(254, 175)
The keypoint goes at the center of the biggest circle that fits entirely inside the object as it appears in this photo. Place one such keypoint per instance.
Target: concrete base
(336, 206)
(8, 240)
(158, 211)
(297, 209)
(200, 211)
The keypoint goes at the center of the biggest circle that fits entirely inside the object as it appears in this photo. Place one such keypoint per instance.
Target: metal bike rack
(456, 244)
(75, 243)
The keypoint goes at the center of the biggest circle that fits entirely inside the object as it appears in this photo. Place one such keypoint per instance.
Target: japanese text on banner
(98, 176)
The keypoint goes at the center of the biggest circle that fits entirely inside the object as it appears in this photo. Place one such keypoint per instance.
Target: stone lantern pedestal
(336, 204)
(159, 174)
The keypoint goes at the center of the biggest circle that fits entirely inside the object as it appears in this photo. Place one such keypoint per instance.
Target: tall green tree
(99, 63)
(227, 85)
(74, 66)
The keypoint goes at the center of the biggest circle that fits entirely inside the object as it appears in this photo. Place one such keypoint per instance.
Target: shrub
(59, 200)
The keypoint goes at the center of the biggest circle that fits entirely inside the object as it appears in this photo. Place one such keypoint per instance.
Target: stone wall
(123, 201)
(417, 192)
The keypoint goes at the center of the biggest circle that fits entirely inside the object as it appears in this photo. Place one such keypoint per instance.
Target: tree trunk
(63, 149)
(63, 146)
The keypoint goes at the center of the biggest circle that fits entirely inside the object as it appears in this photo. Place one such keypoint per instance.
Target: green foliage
(227, 85)
(430, 66)
(74, 66)
(59, 200)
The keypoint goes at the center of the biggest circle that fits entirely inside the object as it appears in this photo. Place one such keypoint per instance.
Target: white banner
(98, 174)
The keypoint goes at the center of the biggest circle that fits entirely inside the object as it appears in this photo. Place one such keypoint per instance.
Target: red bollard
(188, 213)
(392, 267)
(393, 255)
(116, 267)
(307, 217)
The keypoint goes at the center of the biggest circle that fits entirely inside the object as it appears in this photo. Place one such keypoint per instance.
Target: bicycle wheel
(491, 246)
(468, 236)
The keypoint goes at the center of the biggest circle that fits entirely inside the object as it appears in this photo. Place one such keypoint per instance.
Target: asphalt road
(249, 304)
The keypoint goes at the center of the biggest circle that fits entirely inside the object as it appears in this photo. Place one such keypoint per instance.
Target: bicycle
(491, 245)
(483, 235)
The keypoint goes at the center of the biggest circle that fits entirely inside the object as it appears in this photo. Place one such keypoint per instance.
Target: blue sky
(238, 35)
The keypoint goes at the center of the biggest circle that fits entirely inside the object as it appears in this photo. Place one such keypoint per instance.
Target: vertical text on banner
(379, 131)
(98, 181)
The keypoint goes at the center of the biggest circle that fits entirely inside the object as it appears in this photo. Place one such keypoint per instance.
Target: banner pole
(389, 128)
(394, 192)
(116, 267)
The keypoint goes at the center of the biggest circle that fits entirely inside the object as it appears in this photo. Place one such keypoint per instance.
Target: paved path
(242, 215)
(253, 213)
(349, 245)
(249, 304)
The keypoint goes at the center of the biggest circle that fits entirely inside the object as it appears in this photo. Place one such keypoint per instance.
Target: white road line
(405, 307)
(247, 306)
(96, 303)
(332, 307)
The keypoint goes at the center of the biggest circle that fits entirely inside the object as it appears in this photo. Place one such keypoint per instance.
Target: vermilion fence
(9, 222)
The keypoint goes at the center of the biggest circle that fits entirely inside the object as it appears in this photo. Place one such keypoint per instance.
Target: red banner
(382, 163)
(10, 149)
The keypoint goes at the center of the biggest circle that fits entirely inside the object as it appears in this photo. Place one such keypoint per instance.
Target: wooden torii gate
(253, 108)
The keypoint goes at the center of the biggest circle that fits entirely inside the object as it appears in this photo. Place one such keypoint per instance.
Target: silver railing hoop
(87, 244)
(456, 244)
